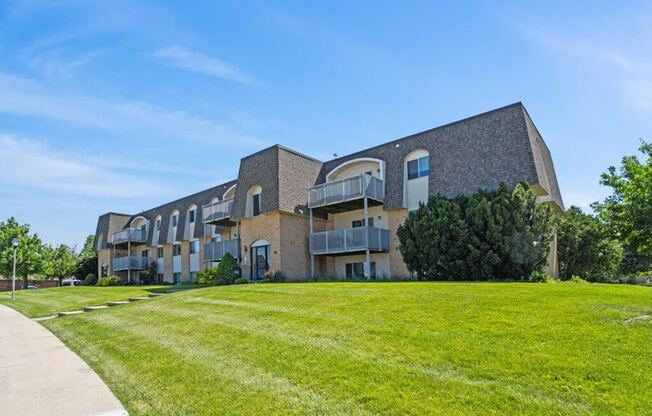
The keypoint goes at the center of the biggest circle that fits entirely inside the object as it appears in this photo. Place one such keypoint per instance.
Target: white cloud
(29, 163)
(26, 97)
(581, 200)
(196, 62)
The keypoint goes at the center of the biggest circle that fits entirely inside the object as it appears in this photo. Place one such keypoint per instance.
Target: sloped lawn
(375, 349)
(45, 302)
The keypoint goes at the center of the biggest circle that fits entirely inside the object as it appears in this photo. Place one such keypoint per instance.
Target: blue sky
(123, 105)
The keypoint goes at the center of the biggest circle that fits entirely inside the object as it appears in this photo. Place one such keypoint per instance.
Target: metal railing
(216, 250)
(346, 189)
(135, 235)
(130, 263)
(217, 210)
(348, 240)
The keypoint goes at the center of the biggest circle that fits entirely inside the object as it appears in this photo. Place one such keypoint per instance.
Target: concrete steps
(137, 298)
(94, 308)
(68, 313)
(155, 294)
(118, 302)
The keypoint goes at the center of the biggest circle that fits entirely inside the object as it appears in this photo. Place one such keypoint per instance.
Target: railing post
(312, 256)
(367, 265)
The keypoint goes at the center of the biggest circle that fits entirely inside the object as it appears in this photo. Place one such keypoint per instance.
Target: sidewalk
(39, 375)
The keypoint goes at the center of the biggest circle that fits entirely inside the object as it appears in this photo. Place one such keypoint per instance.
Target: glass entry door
(260, 262)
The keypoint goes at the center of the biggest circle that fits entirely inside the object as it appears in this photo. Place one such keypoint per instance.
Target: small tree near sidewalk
(27, 253)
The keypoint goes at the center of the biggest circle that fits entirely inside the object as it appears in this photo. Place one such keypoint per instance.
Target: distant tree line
(37, 260)
(505, 234)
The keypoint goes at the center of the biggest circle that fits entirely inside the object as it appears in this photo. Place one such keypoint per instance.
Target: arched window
(254, 201)
(157, 224)
(416, 173)
(372, 166)
(230, 193)
(175, 218)
(192, 214)
(139, 223)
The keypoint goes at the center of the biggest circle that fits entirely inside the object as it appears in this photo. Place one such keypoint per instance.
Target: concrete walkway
(39, 375)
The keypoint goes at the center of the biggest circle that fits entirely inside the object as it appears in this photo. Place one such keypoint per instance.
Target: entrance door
(260, 262)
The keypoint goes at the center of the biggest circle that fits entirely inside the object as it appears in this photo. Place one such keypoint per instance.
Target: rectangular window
(256, 204)
(175, 220)
(193, 276)
(159, 252)
(176, 277)
(361, 223)
(418, 168)
(158, 224)
(356, 270)
(159, 278)
(176, 250)
(145, 253)
(105, 270)
(217, 239)
(191, 216)
(194, 247)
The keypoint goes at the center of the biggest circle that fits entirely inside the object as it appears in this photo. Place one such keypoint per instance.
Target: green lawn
(45, 302)
(375, 348)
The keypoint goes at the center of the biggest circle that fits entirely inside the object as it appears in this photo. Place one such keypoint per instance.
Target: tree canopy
(27, 253)
(628, 210)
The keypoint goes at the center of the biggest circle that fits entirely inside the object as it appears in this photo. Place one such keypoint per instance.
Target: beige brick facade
(397, 267)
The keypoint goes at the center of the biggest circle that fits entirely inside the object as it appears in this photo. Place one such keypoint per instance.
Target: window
(158, 224)
(159, 278)
(361, 223)
(191, 216)
(176, 277)
(193, 276)
(176, 250)
(175, 219)
(356, 270)
(105, 270)
(217, 239)
(143, 228)
(145, 253)
(159, 252)
(194, 247)
(256, 204)
(418, 168)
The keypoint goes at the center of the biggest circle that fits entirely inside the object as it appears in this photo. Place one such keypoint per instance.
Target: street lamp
(14, 243)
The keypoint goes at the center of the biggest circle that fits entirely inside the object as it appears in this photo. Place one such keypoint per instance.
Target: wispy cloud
(30, 163)
(582, 200)
(182, 58)
(627, 64)
(23, 96)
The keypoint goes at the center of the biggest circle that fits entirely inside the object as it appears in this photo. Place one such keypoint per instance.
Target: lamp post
(14, 243)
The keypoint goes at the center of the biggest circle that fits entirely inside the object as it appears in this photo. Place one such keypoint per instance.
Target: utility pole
(14, 242)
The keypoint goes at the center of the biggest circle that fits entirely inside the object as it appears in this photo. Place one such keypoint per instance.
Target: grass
(375, 349)
(45, 302)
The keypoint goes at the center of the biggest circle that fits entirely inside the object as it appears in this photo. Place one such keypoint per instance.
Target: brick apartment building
(290, 212)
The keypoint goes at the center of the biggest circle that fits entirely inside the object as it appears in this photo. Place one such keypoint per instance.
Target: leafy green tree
(87, 259)
(628, 210)
(501, 234)
(59, 262)
(586, 248)
(27, 254)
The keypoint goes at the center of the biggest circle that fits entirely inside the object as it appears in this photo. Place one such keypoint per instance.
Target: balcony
(218, 212)
(349, 240)
(130, 263)
(216, 250)
(133, 235)
(347, 194)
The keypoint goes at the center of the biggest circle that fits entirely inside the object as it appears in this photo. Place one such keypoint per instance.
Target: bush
(539, 277)
(90, 280)
(274, 276)
(502, 234)
(241, 281)
(226, 267)
(576, 279)
(110, 281)
(207, 277)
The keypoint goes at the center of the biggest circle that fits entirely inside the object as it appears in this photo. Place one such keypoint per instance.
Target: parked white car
(71, 282)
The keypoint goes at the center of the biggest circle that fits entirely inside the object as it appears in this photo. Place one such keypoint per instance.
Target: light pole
(14, 243)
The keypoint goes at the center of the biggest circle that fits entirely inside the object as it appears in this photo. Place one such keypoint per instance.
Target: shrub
(221, 282)
(207, 277)
(501, 234)
(540, 277)
(576, 279)
(90, 280)
(241, 281)
(110, 281)
(274, 276)
(226, 267)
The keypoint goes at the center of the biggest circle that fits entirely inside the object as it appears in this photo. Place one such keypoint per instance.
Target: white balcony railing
(347, 189)
(216, 250)
(217, 211)
(349, 240)
(135, 235)
(130, 263)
